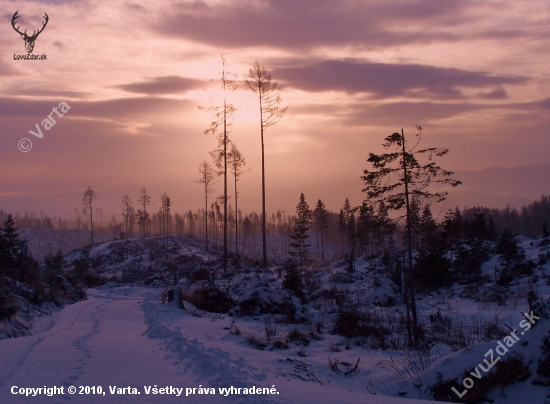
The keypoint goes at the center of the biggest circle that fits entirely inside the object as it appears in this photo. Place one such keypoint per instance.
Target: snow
(123, 336)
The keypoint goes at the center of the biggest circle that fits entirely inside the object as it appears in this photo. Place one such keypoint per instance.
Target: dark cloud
(311, 23)
(496, 94)
(116, 109)
(406, 113)
(389, 80)
(164, 85)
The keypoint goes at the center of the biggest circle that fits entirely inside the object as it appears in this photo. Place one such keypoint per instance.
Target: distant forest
(530, 220)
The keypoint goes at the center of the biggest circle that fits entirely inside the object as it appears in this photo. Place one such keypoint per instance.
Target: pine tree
(397, 177)
(512, 260)
(342, 226)
(9, 242)
(299, 245)
(320, 215)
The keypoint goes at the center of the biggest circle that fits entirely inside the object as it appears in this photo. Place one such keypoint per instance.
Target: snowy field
(124, 337)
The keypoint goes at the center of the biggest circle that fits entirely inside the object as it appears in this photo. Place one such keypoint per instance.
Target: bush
(270, 301)
(298, 336)
(211, 299)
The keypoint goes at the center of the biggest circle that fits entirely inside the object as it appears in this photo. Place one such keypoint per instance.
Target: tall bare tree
(236, 165)
(208, 174)
(87, 200)
(222, 125)
(259, 81)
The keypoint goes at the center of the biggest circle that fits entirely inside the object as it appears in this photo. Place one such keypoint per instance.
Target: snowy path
(125, 338)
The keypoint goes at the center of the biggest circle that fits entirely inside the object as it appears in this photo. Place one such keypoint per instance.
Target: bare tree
(126, 205)
(87, 199)
(267, 91)
(207, 178)
(221, 123)
(144, 200)
(236, 165)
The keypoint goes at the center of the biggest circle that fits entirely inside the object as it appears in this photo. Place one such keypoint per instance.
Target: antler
(34, 33)
(15, 16)
(43, 25)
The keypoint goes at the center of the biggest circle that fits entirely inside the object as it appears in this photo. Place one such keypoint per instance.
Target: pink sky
(473, 74)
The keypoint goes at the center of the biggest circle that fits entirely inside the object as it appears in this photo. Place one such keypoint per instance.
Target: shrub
(211, 299)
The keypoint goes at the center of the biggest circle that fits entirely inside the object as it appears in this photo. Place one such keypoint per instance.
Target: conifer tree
(9, 242)
(395, 178)
(320, 215)
(299, 245)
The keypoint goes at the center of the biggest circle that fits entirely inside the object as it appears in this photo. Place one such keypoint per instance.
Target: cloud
(164, 85)
(390, 80)
(310, 23)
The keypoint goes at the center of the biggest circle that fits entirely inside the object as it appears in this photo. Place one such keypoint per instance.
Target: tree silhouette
(144, 200)
(259, 82)
(207, 178)
(222, 113)
(87, 200)
(320, 215)
(395, 178)
(236, 166)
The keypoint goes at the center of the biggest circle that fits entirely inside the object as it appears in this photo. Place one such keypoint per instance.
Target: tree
(320, 215)
(87, 200)
(299, 246)
(236, 165)
(395, 178)
(207, 178)
(222, 114)
(144, 200)
(259, 82)
(9, 240)
(166, 218)
(512, 260)
(126, 205)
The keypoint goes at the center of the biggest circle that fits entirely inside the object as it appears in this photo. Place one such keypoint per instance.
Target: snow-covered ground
(124, 337)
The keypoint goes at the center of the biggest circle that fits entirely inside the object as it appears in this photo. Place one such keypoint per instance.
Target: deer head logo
(29, 40)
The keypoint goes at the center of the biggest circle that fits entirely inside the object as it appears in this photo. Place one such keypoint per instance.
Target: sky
(473, 74)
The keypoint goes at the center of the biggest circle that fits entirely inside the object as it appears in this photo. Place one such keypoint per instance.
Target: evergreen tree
(320, 215)
(397, 177)
(428, 228)
(299, 247)
(512, 260)
(293, 279)
(9, 243)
